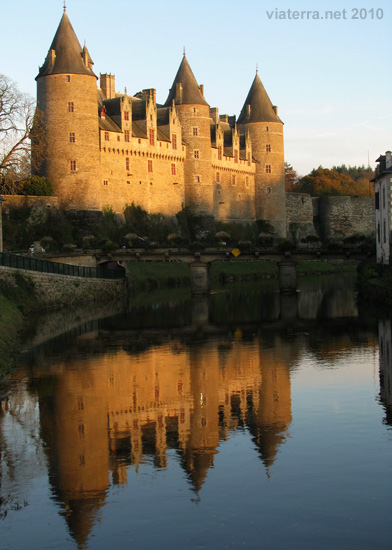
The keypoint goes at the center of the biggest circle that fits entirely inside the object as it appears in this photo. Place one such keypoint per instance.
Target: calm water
(247, 420)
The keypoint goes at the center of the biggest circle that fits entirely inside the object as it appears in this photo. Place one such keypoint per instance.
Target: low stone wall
(16, 201)
(331, 218)
(342, 217)
(53, 290)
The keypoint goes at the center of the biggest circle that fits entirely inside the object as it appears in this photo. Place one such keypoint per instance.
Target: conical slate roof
(68, 52)
(191, 94)
(261, 109)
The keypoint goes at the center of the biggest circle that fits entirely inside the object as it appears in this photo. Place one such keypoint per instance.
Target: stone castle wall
(331, 218)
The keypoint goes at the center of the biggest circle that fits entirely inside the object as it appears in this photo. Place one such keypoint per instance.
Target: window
(236, 156)
(196, 154)
(174, 141)
(126, 135)
(377, 198)
(150, 165)
(72, 137)
(173, 169)
(248, 159)
(195, 131)
(151, 134)
(106, 136)
(218, 177)
(268, 148)
(220, 152)
(73, 165)
(105, 182)
(126, 115)
(197, 179)
(150, 117)
(233, 179)
(68, 78)
(70, 107)
(118, 138)
(383, 198)
(128, 182)
(127, 164)
(247, 181)
(267, 129)
(378, 233)
(268, 169)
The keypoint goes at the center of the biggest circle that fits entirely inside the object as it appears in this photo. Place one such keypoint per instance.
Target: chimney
(275, 108)
(214, 114)
(201, 88)
(107, 83)
(388, 160)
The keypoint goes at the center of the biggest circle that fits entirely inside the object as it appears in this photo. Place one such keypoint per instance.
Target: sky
(328, 73)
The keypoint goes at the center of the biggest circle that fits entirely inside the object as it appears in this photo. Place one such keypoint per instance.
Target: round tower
(260, 118)
(67, 98)
(194, 115)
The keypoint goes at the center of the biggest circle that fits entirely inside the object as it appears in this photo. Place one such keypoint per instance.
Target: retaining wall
(52, 290)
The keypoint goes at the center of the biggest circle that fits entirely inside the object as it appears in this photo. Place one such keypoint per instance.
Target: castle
(104, 148)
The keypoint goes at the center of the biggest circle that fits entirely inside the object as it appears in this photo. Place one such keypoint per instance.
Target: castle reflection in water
(107, 406)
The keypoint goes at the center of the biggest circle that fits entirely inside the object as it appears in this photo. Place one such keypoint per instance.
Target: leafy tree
(322, 181)
(36, 186)
(291, 177)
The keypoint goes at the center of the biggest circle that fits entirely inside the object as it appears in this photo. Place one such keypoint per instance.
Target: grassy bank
(143, 275)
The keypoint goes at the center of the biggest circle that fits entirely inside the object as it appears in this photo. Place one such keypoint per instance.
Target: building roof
(68, 52)
(261, 109)
(191, 94)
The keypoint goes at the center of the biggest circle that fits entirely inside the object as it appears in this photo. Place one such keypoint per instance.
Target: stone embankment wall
(53, 290)
(16, 201)
(330, 218)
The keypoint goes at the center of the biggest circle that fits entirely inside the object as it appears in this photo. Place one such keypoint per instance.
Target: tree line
(339, 180)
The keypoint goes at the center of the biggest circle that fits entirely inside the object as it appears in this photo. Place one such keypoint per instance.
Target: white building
(383, 196)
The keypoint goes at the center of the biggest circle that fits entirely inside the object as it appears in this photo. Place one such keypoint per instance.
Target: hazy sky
(331, 79)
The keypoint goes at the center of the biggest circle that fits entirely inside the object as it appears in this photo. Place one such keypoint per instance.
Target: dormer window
(68, 78)
(126, 115)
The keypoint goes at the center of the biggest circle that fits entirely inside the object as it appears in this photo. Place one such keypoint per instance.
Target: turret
(67, 97)
(194, 115)
(259, 119)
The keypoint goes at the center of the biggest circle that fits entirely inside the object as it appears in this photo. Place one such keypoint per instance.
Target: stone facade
(110, 149)
(383, 204)
(329, 218)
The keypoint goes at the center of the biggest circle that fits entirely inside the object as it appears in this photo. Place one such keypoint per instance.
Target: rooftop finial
(257, 68)
(184, 51)
(65, 7)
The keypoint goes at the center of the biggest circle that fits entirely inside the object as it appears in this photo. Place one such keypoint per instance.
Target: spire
(260, 107)
(65, 53)
(186, 82)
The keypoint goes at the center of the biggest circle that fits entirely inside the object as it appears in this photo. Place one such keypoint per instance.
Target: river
(248, 419)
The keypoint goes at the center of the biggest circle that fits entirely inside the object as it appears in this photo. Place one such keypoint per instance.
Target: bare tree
(20, 122)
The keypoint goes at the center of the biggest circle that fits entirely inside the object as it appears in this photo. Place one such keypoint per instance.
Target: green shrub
(36, 186)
